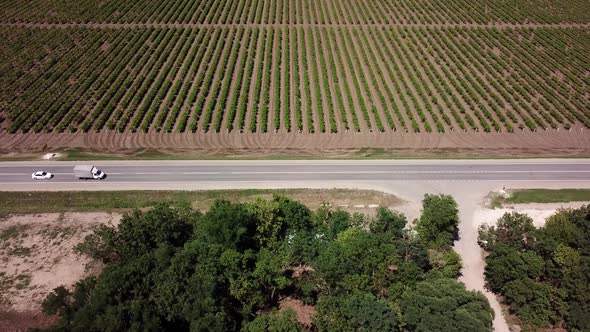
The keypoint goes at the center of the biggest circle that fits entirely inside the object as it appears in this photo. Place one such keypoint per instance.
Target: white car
(41, 175)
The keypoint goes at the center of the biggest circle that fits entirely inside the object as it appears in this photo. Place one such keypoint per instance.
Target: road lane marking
(321, 172)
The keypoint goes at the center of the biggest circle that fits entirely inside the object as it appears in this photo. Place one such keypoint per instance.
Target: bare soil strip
(200, 144)
(104, 25)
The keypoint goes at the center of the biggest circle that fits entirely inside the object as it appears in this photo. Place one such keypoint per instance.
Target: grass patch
(22, 281)
(20, 252)
(542, 196)
(71, 201)
(11, 232)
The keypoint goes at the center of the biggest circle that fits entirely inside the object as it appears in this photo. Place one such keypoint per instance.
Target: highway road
(130, 172)
(408, 179)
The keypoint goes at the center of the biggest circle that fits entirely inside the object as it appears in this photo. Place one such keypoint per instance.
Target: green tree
(358, 312)
(138, 233)
(57, 302)
(337, 222)
(255, 278)
(535, 302)
(230, 225)
(357, 261)
(284, 321)
(275, 217)
(505, 264)
(446, 261)
(512, 229)
(443, 304)
(576, 284)
(191, 291)
(439, 220)
(389, 222)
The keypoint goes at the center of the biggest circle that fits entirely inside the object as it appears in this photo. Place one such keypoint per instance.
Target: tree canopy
(543, 274)
(230, 268)
(439, 220)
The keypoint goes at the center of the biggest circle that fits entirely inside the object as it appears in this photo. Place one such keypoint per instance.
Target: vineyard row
(294, 79)
(296, 11)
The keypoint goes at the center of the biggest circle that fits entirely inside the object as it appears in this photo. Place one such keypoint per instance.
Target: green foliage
(446, 261)
(444, 305)
(359, 312)
(512, 229)
(138, 233)
(284, 321)
(388, 222)
(357, 261)
(230, 268)
(535, 302)
(57, 302)
(439, 220)
(506, 264)
(577, 287)
(543, 274)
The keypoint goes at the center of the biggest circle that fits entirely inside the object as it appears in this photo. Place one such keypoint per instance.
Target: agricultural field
(416, 66)
(337, 12)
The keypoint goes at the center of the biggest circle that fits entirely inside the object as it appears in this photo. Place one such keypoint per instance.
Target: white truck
(85, 172)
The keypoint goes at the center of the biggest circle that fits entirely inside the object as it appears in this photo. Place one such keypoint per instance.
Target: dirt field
(549, 143)
(37, 256)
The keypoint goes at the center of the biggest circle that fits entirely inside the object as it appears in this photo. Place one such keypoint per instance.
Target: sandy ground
(538, 212)
(37, 255)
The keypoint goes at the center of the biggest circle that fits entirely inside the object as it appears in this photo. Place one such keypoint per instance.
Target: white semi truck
(86, 172)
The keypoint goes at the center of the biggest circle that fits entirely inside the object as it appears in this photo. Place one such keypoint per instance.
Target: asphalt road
(130, 172)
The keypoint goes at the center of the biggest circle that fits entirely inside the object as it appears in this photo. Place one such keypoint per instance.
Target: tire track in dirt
(526, 142)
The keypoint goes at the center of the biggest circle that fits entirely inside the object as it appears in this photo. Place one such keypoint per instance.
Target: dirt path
(472, 257)
(104, 25)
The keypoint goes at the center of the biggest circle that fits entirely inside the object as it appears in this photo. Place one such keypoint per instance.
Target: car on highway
(41, 175)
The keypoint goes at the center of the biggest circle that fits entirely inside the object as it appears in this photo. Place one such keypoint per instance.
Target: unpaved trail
(472, 256)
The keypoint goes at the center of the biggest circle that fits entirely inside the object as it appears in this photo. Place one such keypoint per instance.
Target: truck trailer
(88, 172)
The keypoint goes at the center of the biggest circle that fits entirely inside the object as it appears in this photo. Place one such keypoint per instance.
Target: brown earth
(105, 25)
(303, 312)
(38, 256)
(550, 143)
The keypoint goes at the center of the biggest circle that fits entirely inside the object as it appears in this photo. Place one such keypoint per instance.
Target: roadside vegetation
(85, 201)
(543, 274)
(274, 265)
(522, 196)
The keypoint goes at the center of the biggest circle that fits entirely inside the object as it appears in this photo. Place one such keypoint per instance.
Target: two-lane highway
(12, 173)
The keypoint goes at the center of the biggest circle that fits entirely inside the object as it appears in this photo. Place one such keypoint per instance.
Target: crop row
(303, 79)
(295, 11)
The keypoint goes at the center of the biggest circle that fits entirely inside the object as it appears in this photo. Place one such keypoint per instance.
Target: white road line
(324, 172)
